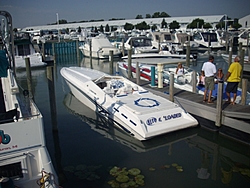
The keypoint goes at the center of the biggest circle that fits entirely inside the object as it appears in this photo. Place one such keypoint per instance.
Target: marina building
(119, 24)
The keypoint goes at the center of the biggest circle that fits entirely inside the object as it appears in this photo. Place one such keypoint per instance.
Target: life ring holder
(137, 102)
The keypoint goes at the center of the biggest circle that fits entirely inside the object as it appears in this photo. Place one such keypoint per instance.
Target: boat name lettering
(4, 138)
(154, 120)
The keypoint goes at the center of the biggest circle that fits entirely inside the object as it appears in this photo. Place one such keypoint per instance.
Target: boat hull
(130, 112)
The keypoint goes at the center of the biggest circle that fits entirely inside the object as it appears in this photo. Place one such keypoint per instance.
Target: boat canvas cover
(4, 64)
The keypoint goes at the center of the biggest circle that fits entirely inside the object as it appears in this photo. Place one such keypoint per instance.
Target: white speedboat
(135, 110)
(24, 158)
(100, 48)
(207, 40)
(140, 44)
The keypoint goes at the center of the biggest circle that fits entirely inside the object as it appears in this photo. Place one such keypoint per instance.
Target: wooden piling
(244, 91)
(188, 55)
(230, 52)
(240, 48)
(123, 51)
(90, 53)
(111, 62)
(29, 78)
(160, 75)
(219, 105)
(117, 69)
(138, 73)
(171, 87)
(129, 63)
(194, 81)
(242, 54)
(52, 97)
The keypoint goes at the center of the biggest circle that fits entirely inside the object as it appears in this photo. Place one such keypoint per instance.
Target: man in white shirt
(210, 70)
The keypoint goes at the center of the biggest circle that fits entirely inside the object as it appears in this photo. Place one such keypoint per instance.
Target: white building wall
(245, 22)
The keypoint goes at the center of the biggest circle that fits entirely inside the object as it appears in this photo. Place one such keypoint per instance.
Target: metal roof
(120, 23)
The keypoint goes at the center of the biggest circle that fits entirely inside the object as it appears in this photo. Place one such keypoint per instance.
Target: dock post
(240, 48)
(129, 63)
(77, 50)
(188, 55)
(138, 73)
(242, 54)
(194, 81)
(117, 69)
(209, 44)
(152, 76)
(219, 105)
(227, 40)
(171, 87)
(111, 62)
(90, 53)
(52, 97)
(123, 53)
(29, 77)
(160, 75)
(244, 91)
(230, 52)
(43, 52)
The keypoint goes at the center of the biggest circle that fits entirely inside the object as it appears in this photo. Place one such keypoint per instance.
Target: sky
(27, 13)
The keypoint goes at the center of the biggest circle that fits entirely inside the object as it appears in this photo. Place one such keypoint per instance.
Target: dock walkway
(234, 116)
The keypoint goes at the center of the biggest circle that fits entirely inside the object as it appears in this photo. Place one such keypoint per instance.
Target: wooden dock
(236, 117)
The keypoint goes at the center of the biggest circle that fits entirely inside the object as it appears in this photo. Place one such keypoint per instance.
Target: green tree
(207, 26)
(148, 16)
(107, 29)
(196, 23)
(160, 15)
(79, 29)
(156, 15)
(96, 30)
(174, 25)
(164, 15)
(101, 29)
(220, 25)
(128, 26)
(139, 17)
(236, 26)
(63, 21)
(164, 24)
(142, 26)
(154, 27)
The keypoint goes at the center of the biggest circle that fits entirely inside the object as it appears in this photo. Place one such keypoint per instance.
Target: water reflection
(218, 161)
(106, 128)
(86, 141)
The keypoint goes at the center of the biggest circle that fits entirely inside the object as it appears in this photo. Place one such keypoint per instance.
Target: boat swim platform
(234, 116)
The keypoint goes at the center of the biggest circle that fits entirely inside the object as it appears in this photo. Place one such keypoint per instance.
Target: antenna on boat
(9, 44)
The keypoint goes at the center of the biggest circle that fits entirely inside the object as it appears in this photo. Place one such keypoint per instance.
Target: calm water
(86, 147)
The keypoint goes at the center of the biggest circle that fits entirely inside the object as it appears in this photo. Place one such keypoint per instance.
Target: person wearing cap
(210, 70)
(233, 78)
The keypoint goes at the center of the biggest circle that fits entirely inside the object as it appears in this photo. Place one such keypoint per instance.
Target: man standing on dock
(233, 78)
(210, 70)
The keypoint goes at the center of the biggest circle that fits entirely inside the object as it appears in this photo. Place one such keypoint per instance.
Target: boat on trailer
(24, 158)
(140, 113)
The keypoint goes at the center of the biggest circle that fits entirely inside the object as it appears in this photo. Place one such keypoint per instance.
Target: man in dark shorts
(233, 78)
(210, 70)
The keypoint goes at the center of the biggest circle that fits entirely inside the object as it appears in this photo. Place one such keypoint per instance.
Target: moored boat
(137, 111)
(24, 159)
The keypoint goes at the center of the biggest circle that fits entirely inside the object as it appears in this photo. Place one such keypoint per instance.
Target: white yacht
(140, 113)
(100, 48)
(24, 158)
